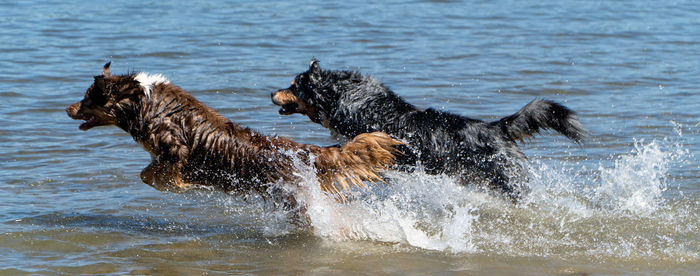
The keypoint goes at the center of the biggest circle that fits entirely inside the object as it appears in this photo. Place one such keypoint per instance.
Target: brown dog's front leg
(176, 184)
(156, 175)
(163, 177)
(147, 174)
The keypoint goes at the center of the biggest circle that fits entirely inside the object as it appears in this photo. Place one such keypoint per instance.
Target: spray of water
(636, 182)
(618, 208)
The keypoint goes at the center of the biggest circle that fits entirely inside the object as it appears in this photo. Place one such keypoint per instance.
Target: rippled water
(627, 201)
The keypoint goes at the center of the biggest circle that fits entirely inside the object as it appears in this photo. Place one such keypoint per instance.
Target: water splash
(425, 211)
(617, 208)
(620, 209)
(421, 210)
(637, 181)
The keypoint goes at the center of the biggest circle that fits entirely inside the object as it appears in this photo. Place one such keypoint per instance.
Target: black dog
(350, 103)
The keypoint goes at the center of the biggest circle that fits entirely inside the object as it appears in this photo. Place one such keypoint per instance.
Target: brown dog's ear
(100, 82)
(105, 69)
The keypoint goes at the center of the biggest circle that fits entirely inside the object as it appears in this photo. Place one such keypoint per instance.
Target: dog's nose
(69, 110)
(72, 110)
(274, 98)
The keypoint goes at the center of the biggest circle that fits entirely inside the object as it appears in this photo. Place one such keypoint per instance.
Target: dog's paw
(147, 175)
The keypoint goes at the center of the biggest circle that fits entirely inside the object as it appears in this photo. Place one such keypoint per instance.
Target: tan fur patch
(360, 160)
(285, 97)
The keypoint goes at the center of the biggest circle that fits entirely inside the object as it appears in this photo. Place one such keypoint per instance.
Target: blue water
(626, 201)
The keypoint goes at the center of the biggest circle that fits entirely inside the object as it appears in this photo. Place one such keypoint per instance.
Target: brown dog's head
(103, 99)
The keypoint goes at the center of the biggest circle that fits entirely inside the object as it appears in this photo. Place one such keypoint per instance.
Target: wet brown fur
(192, 146)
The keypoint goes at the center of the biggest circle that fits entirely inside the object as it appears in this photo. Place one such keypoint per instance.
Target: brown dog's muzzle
(72, 111)
(91, 118)
(75, 112)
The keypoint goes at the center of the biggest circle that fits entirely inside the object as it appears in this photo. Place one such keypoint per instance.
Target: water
(627, 201)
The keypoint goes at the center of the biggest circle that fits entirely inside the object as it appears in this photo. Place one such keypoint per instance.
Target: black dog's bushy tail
(541, 114)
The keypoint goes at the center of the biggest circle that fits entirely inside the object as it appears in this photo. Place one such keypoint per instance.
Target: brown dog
(192, 146)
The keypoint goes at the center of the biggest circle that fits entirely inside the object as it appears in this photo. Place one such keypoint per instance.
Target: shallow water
(627, 201)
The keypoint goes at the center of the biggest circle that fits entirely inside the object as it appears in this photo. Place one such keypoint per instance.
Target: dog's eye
(304, 81)
(96, 98)
(298, 82)
(302, 96)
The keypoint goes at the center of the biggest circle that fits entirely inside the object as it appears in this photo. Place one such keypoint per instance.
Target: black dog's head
(104, 98)
(311, 93)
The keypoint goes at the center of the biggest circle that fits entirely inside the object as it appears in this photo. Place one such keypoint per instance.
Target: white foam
(617, 208)
(426, 211)
(148, 81)
(568, 207)
(637, 181)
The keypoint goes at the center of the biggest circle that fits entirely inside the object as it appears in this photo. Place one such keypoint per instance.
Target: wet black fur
(481, 152)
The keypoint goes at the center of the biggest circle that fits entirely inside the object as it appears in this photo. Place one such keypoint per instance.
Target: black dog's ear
(105, 69)
(314, 66)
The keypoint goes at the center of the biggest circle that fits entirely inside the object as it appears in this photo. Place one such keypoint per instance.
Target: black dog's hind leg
(286, 200)
(499, 178)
